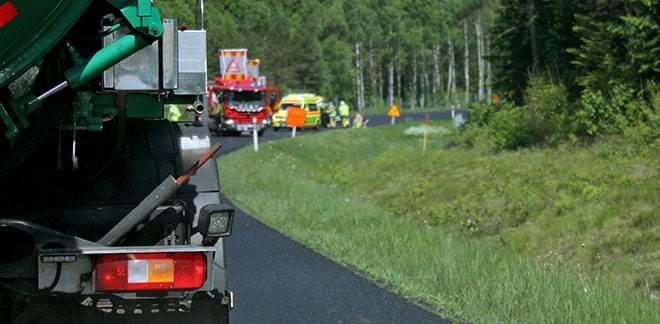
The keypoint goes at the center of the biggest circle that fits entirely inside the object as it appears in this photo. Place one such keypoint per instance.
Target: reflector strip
(7, 13)
(160, 271)
(137, 271)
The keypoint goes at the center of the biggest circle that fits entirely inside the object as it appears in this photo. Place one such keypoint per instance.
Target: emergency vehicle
(306, 101)
(239, 98)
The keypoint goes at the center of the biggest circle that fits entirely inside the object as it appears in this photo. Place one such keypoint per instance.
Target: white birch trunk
(390, 78)
(398, 74)
(423, 80)
(489, 80)
(451, 72)
(436, 69)
(413, 94)
(379, 82)
(359, 78)
(466, 63)
(373, 76)
(480, 59)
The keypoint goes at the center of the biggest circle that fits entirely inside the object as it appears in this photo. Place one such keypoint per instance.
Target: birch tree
(423, 83)
(489, 80)
(437, 71)
(413, 86)
(390, 76)
(359, 78)
(451, 71)
(466, 61)
(480, 58)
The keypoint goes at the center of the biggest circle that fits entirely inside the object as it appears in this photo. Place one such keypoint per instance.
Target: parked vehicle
(239, 98)
(108, 209)
(306, 101)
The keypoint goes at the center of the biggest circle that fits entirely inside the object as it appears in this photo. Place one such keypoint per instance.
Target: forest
(592, 66)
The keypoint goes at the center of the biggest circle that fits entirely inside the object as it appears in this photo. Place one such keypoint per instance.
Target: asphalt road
(277, 280)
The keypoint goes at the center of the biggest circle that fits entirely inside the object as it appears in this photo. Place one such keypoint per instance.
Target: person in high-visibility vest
(332, 115)
(358, 120)
(344, 112)
(173, 113)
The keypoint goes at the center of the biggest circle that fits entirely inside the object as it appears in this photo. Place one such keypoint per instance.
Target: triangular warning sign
(394, 111)
(233, 68)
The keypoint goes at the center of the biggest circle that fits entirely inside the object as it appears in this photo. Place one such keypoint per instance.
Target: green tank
(27, 36)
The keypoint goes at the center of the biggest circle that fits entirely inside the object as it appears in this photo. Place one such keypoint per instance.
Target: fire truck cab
(239, 99)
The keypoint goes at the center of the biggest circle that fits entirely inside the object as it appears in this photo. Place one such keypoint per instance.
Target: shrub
(511, 129)
(480, 114)
(599, 114)
(548, 110)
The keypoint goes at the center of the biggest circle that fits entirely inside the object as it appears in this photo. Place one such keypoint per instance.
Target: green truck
(109, 210)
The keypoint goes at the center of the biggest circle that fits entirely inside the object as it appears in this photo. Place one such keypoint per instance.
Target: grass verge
(538, 236)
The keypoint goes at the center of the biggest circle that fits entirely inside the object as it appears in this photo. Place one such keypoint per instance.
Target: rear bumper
(243, 126)
(203, 308)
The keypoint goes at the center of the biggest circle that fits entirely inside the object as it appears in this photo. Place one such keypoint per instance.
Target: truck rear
(110, 211)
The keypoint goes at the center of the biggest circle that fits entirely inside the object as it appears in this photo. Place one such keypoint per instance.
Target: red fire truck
(239, 98)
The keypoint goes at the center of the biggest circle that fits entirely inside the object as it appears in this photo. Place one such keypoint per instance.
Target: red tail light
(150, 271)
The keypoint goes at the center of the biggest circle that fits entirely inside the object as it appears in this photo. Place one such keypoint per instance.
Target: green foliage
(544, 120)
(480, 114)
(549, 110)
(622, 108)
(620, 44)
(512, 44)
(310, 45)
(607, 53)
(511, 128)
(567, 234)
(599, 116)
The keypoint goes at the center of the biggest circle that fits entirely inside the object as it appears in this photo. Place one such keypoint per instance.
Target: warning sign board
(394, 112)
(295, 117)
(233, 68)
(233, 64)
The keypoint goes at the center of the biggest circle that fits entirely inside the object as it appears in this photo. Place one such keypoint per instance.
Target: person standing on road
(332, 115)
(344, 112)
(358, 121)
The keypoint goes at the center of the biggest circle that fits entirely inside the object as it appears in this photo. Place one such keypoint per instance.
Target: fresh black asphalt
(277, 280)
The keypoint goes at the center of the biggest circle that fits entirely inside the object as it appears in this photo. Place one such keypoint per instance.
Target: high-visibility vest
(174, 113)
(343, 110)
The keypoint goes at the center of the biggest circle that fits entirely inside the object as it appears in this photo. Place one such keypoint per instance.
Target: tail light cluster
(150, 271)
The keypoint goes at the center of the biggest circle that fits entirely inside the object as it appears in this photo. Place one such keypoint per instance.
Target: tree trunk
(379, 82)
(531, 11)
(451, 72)
(489, 82)
(398, 74)
(480, 59)
(390, 77)
(373, 75)
(436, 69)
(359, 78)
(423, 83)
(466, 62)
(413, 94)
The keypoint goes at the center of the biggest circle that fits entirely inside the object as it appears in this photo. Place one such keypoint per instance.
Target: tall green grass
(419, 224)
